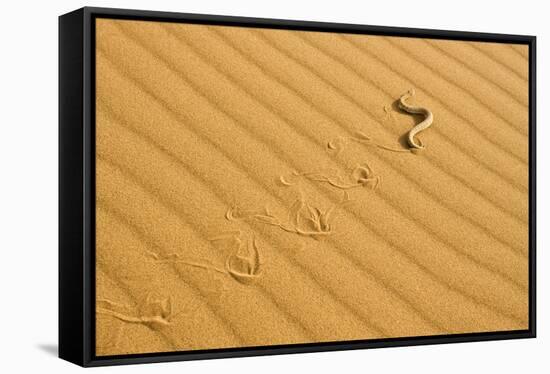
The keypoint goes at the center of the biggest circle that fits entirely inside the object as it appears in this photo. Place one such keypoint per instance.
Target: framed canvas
(238, 186)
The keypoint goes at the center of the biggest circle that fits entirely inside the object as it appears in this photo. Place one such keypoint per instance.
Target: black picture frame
(77, 185)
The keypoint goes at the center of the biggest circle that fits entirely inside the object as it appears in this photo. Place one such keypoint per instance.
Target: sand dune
(246, 195)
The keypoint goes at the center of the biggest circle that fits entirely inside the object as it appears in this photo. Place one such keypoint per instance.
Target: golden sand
(260, 187)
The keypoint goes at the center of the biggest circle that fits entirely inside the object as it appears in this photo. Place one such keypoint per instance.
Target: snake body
(428, 119)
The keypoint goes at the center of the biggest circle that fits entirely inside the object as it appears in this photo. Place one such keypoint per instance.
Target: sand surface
(256, 187)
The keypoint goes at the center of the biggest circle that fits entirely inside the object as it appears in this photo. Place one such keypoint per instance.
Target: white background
(28, 184)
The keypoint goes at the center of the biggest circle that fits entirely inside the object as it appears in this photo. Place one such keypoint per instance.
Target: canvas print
(265, 187)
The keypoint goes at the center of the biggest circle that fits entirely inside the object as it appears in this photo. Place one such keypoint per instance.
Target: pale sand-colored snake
(428, 119)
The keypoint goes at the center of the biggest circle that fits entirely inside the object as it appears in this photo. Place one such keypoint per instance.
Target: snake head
(401, 103)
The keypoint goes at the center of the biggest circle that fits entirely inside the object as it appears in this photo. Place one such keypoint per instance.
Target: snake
(428, 119)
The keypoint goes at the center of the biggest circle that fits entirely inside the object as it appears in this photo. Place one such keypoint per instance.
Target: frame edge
(532, 186)
(277, 23)
(70, 250)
